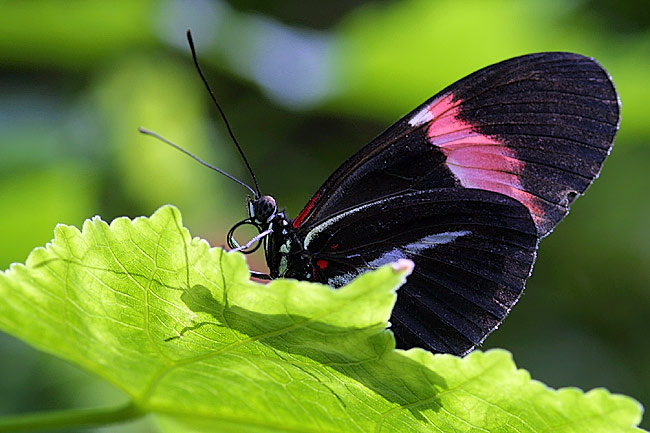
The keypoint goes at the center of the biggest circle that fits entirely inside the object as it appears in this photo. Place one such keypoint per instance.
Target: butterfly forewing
(465, 186)
(536, 128)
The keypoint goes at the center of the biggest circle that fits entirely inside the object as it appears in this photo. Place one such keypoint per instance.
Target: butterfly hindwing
(472, 249)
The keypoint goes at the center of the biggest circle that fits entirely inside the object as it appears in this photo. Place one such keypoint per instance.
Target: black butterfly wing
(480, 172)
(536, 128)
(473, 250)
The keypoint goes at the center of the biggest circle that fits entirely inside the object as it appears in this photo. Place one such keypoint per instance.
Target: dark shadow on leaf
(364, 355)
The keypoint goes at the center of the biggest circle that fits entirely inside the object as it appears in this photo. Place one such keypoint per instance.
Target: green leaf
(180, 328)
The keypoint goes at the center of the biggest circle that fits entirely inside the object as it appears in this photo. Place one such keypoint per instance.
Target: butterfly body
(285, 255)
(465, 186)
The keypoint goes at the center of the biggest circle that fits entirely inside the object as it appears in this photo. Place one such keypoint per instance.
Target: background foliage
(305, 86)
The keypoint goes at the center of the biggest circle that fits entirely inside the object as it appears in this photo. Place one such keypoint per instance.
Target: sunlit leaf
(180, 328)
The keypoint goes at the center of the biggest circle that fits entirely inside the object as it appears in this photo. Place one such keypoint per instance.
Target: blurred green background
(305, 84)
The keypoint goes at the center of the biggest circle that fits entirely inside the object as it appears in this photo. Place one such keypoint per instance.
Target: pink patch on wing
(444, 106)
(303, 214)
(477, 160)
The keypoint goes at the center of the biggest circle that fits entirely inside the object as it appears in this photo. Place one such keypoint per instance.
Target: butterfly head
(262, 210)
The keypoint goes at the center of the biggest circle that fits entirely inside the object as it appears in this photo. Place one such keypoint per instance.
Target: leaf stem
(69, 418)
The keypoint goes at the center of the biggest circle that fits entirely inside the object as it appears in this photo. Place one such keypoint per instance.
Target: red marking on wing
(303, 213)
(334, 246)
(322, 264)
(477, 160)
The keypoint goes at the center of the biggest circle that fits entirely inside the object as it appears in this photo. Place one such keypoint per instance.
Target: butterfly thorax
(285, 253)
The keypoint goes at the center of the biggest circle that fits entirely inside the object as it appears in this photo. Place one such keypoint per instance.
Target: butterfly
(465, 186)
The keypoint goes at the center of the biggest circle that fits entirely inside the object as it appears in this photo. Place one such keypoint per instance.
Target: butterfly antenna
(218, 170)
(223, 115)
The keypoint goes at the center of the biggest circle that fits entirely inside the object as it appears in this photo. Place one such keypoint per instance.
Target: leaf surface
(179, 327)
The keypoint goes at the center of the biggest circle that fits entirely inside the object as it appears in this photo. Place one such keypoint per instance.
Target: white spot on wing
(421, 117)
(435, 239)
(396, 255)
(425, 243)
(325, 224)
(388, 257)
